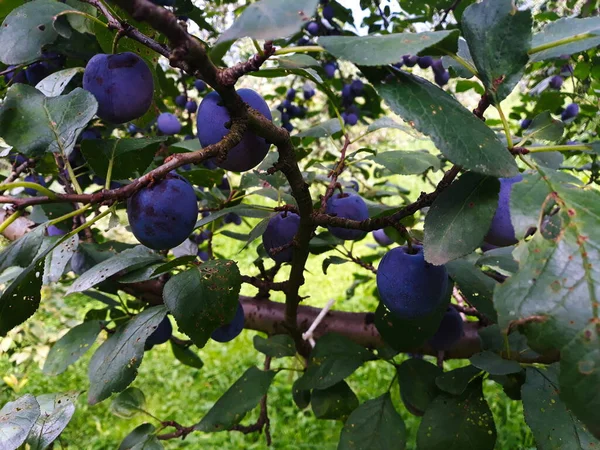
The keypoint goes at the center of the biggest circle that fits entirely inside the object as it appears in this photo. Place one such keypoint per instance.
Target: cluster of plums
(440, 75)
(289, 110)
(49, 63)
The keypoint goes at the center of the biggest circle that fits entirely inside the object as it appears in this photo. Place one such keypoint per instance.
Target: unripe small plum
(382, 238)
(20, 76)
(308, 93)
(203, 255)
(330, 68)
(36, 72)
(502, 232)
(232, 218)
(168, 124)
(449, 332)
(280, 231)
(313, 28)
(231, 330)
(288, 126)
(348, 206)
(556, 82)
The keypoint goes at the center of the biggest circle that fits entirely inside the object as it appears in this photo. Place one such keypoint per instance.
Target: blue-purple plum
(160, 335)
(348, 206)
(382, 238)
(17, 158)
(556, 82)
(280, 231)
(525, 123)
(328, 12)
(16, 76)
(410, 60)
(302, 41)
(191, 106)
(347, 93)
(163, 214)
(232, 218)
(502, 232)
(330, 68)
(122, 85)
(34, 179)
(442, 78)
(288, 126)
(409, 286)
(425, 62)
(168, 124)
(90, 133)
(351, 119)
(211, 120)
(357, 87)
(438, 66)
(36, 72)
(313, 28)
(203, 255)
(53, 230)
(200, 85)
(181, 100)
(308, 93)
(291, 94)
(132, 129)
(570, 111)
(231, 330)
(449, 331)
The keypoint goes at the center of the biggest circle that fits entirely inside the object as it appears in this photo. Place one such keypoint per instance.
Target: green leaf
(389, 48)
(130, 259)
(499, 259)
(56, 262)
(526, 200)
(22, 251)
(128, 403)
(278, 346)
(336, 260)
(186, 355)
(334, 358)
(78, 22)
(204, 298)
(494, 364)
(270, 19)
(374, 425)
(141, 438)
(460, 217)
(407, 162)
(35, 124)
(301, 397)
(552, 40)
(54, 84)
(16, 421)
(203, 177)
(324, 129)
(240, 398)
(335, 402)
(416, 378)
(499, 36)
(297, 61)
(243, 210)
(56, 411)
(461, 137)
(464, 422)
(544, 127)
(553, 425)
(28, 28)
(114, 365)
(387, 122)
(456, 381)
(72, 346)
(129, 156)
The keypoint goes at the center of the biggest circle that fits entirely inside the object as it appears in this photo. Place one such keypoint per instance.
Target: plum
(348, 206)
(556, 82)
(442, 78)
(351, 119)
(232, 218)
(168, 124)
(53, 230)
(34, 178)
(36, 72)
(313, 28)
(382, 238)
(328, 12)
(191, 106)
(211, 119)
(308, 93)
(163, 214)
(570, 111)
(122, 85)
(525, 123)
(160, 335)
(425, 62)
(231, 330)
(181, 100)
(16, 76)
(410, 60)
(502, 232)
(200, 85)
(409, 286)
(330, 68)
(357, 87)
(449, 332)
(279, 232)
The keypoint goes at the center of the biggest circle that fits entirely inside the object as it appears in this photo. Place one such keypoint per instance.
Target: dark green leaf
(499, 259)
(56, 411)
(374, 425)
(332, 260)
(387, 122)
(141, 438)
(204, 298)
(203, 177)
(494, 364)
(240, 398)
(128, 403)
(335, 402)
(57, 261)
(460, 217)
(79, 22)
(243, 210)
(297, 61)
(54, 84)
(324, 129)
(22, 251)
(301, 397)
(464, 422)
(544, 127)
(456, 381)
(499, 36)
(187, 356)
(114, 365)
(52, 124)
(277, 346)
(416, 378)
(551, 41)
(72, 346)
(407, 162)
(16, 420)
(461, 137)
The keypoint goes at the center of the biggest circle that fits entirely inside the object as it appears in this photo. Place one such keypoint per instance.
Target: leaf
(460, 136)
(128, 403)
(128, 155)
(22, 251)
(584, 32)
(52, 123)
(204, 298)
(387, 122)
(203, 177)
(458, 423)
(412, 162)
(334, 358)
(141, 438)
(54, 84)
(186, 356)
(80, 23)
(494, 364)
(389, 48)
(57, 260)
(72, 346)
(297, 61)
(56, 411)
(332, 260)
(526, 200)
(243, 210)
(240, 398)
(552, 424)
(374, 425)
(456, 381)
(460, 217)
(499, 36)
(278, 346)
(544, 127)
(270, 19)
(130, 259)
(28, 28)
(114, 365)
(324, 129)
(416, 378)
(335, 402)
(16, 420)
(500, 259)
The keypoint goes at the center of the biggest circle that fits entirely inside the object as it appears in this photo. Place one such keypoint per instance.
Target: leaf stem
(559, 148)
(109, 172)
(14, 216)
(258, 48)
(72, 175)
(71, 214)
(463, 63)
(577, 37)
(80, 13)
(30, 185)
(300, 49)
(505, 126)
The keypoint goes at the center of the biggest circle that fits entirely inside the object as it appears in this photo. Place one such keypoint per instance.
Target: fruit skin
(313, 28)
(280, 231)
(20, 77)
(449, 332)
(502, 232)
(330, 69)
(53, 230)
(442, 78)
(525, 123)
(122, 85)
(349, 206)
(351, 119)
(191, 106)
(425, 61)
(556, 82)
(382, 238)
(328, 12)
(181, 100)
(163, 332)
(200, 85)
(308, 93)
(163, 214)
(232, 218)
(570, 111)
(211, 119)
(408, 285)
(34, 179)
(410, 60)
(231, 330)
(168, 124)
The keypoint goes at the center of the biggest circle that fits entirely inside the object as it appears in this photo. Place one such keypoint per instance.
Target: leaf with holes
(56, 411)
(54, 84)
(16, 421)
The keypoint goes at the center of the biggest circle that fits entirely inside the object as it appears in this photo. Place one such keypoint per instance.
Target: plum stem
(506, 127)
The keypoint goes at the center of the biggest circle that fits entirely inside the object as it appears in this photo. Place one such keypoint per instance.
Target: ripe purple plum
(502, 232)
(280, 231)
(348, 206)
(168, 124)
(449, 332)
(382, 238)
(231, 330)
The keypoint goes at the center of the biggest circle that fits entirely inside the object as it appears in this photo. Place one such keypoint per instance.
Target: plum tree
(211, 120)
(409, 286)
(279, 234)
(347, 206)
(502, 232)
(449, 332)
(231, 330)
(122, 85)
(163, 214)
(168, 123)
(160, 335)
